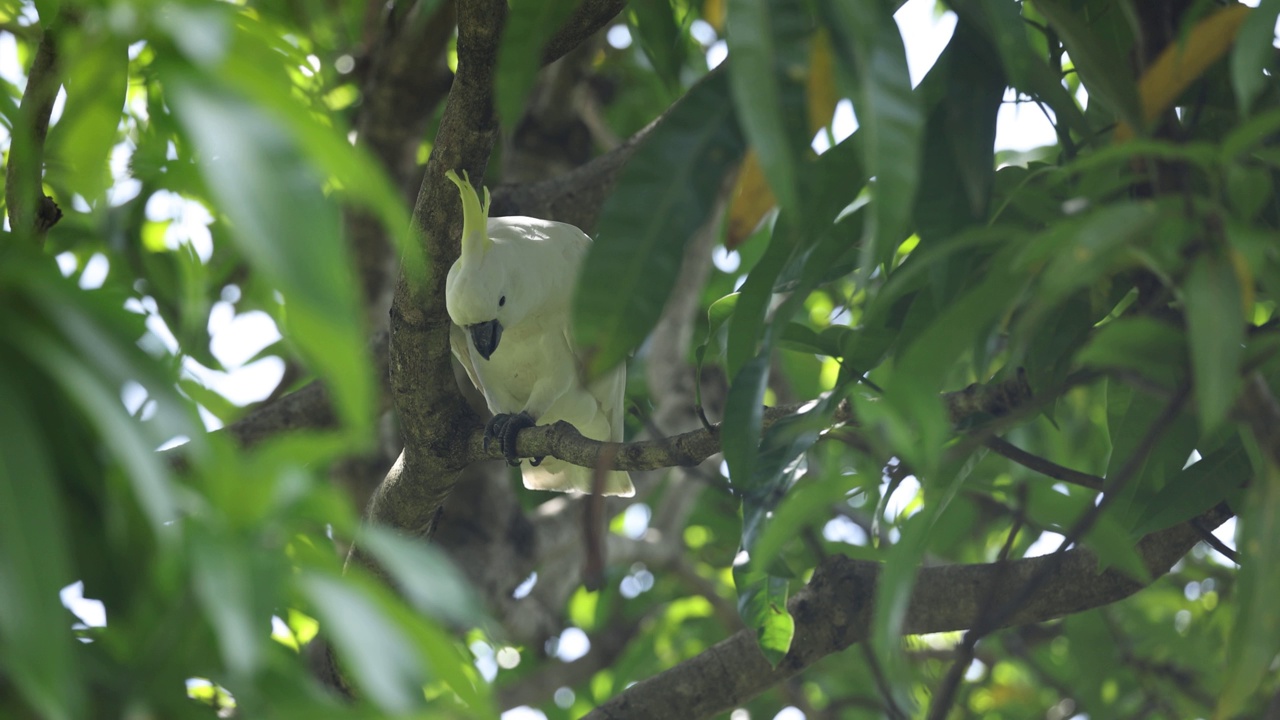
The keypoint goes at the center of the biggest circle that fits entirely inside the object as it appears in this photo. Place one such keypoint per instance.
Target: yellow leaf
(713, 13)
(1244, 276)
(821, 86)
(1182, 63)
(752, 198)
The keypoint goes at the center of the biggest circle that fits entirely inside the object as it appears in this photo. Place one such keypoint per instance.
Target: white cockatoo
(509, 295)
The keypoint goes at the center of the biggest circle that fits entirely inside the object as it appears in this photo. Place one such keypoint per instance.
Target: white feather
(522, 275)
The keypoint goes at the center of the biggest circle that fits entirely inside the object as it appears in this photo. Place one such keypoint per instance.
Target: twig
(1045, 467)
(989, 619)
(891, 707)
(1212, 541)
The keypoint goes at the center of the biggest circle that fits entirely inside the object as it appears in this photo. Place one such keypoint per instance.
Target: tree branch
(583, 22)
(1041, 465)
(435, 420)
(31, 212)
(434, 417)
(835, 610)
(561, 440)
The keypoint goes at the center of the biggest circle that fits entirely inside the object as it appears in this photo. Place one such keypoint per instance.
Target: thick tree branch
(435, 420)
(835, 610)
(434, 417)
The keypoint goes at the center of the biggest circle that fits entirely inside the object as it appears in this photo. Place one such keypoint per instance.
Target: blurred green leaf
(1252, 54)
(662, 196)
(890, 119)
(222, 572)
(376, 651)
(102, 407)
(1255, 635)
(80, 143)
(530, 24)
(923, 367)
(288, 229)
(660, 37)
(956, 168)
(1114, 545)
(1215, 332)
(1144, 345)
(1102, 66)
(743, 410)
(768, 41)
(1006, 29)
(35, 639)
(427, 577)
(1197, 488)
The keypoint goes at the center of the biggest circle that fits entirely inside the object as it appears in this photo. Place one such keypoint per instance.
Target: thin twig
(1212, 541)
(990, 619)
(1045, 467)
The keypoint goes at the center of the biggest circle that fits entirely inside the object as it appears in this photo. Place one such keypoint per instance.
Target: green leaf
(1115, 547)
(1249, 189)
(1255, 635)
(530, 24)
(743, 411)
(1130, 416)
(36, 647)
(426, 577)
(288, 229)
(660, 37)
(1252, 53)
(767, 41)
(79, 145)
(1003, 24)
(120, 433)
(222, 574)
(717, 315)
(747, 325)
(1140, 344)
(957, 168)
(890, 119)
(663, 196)
(775, 468)
(1215, 332)
(762, 603)
(1076, 252)
(923, 367)
(374, 648)
(1102, 65)
(810, 498)
(1197, 488)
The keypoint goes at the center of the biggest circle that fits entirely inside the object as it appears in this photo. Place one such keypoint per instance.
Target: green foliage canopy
(1073, 347)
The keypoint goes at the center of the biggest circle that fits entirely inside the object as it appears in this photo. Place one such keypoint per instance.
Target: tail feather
(561, 476)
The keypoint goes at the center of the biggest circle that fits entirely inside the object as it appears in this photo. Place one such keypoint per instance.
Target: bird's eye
(502, 301)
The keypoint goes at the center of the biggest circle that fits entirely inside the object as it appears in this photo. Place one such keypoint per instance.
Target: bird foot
(504, 427)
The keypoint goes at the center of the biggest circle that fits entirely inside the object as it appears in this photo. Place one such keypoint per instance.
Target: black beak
(486, 335)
